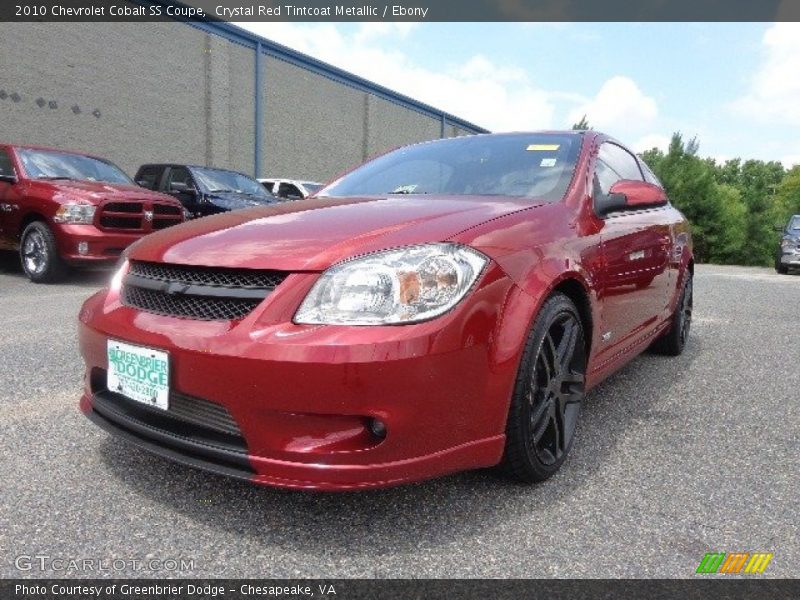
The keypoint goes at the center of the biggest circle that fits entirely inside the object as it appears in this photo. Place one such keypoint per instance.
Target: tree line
(734, 206)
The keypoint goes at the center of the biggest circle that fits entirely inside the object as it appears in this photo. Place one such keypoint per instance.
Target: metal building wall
(150, 92)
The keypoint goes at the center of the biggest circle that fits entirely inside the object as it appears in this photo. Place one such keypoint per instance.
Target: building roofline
(268, 47)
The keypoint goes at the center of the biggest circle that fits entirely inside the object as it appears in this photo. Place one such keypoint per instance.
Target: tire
(781, 269)
(38, 253)
(548, 393)
(673, 341)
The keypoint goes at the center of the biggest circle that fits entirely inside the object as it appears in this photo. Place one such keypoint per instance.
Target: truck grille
(201, 293)
(138, 216)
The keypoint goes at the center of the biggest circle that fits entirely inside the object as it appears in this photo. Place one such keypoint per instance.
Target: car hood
(313, 234)
(234, 201)
(97, 192)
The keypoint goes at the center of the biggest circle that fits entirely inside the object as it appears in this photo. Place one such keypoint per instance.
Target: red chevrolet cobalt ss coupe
(446, 306)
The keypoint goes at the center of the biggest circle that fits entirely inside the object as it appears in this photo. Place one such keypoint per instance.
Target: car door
(9, 200)
(149, 177)
(635, 246)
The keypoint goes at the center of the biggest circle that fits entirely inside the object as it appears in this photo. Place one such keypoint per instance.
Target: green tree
(690, 184)
(731, 225)
(759, 182)
(787, 198)
(582, 124)
(733, 206)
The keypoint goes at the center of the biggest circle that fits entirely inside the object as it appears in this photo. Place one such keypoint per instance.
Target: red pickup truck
(62, 209)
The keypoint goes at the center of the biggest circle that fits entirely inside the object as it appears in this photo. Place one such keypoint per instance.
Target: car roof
(187, 166)
(284, 180)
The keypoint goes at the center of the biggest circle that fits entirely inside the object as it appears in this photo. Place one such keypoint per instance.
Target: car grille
(206, 427)
(201, 293)
(138, 216)
(234, 278)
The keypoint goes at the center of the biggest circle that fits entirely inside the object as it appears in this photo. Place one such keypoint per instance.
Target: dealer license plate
(139, 373)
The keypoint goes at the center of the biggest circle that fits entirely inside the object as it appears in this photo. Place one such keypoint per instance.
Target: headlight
(406, 285)
(79, 214)
(120, 270)
(788, 243)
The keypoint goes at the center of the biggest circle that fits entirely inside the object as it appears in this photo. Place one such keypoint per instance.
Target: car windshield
(218, 180)
(521, 165)
(52, 164)
(312, 188)
(794, 224)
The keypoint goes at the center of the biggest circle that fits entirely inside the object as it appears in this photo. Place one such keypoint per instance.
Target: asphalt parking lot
(673, 458)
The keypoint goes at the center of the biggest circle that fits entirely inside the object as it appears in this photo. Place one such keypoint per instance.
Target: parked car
(291, 189)
(443, 307)
(204, 191)
(788, 255)
(62, 209)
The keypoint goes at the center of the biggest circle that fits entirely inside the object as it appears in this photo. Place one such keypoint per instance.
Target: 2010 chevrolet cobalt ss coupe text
(445, 306)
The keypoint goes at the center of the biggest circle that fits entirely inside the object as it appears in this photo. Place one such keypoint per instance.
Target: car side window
(6, 166)
(148, 177)
(288, 190)
(179, 180)
(649, 176)
(614, 164)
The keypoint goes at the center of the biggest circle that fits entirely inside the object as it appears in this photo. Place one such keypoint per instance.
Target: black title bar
(402, 10)
(407, 589)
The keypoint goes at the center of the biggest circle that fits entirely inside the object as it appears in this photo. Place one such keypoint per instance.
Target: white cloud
(498, 97)
(392, 30)
(650, 141)
(791, 160)
(618, 106)
(775, 87)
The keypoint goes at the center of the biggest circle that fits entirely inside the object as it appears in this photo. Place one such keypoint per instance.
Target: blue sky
(736, 86)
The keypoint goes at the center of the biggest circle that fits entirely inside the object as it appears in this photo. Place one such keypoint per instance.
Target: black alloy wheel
(673, 341)
(548, 395)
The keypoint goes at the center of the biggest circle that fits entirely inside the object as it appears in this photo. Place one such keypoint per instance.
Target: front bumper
(791, 259)
(102, 246)
(302, 397)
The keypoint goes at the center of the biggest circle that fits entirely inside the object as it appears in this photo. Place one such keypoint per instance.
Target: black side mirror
(779, 228)
(609, 203)
(8, 178)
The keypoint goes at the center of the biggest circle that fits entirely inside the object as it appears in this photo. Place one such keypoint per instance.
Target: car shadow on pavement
(382, 522)
(93, 277)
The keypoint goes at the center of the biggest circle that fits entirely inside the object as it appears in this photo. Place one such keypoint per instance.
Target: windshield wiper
(57, 177)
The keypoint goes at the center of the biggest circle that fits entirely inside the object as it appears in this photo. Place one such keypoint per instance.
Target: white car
(291, 189)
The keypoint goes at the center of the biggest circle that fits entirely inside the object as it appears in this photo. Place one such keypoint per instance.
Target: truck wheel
(38, 253)
(780, 268)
